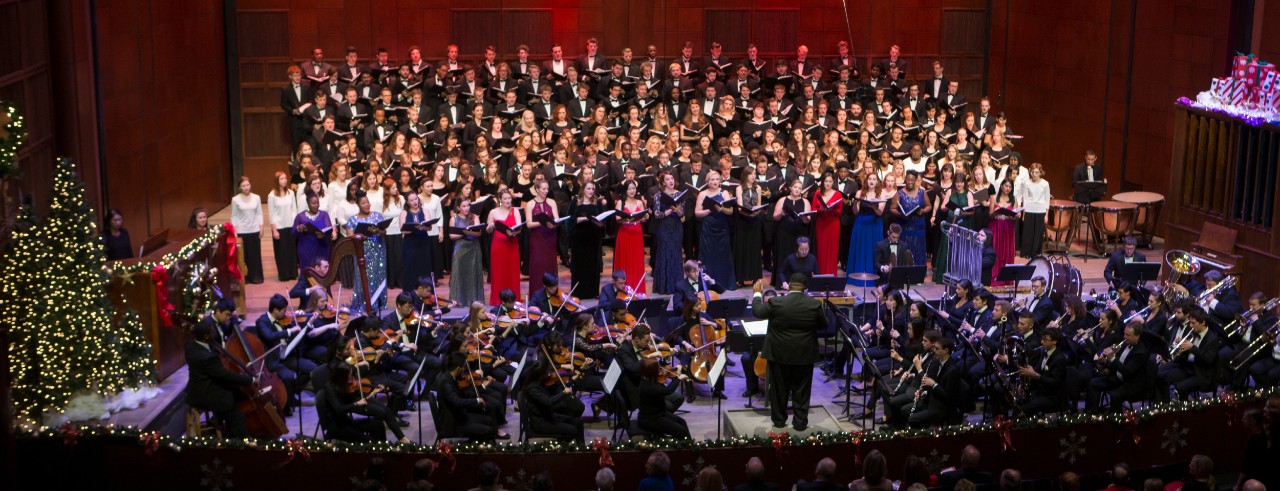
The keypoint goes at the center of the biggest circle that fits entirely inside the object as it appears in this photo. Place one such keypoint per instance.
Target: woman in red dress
(628, 251)
(504, 269)
(828, 203)
(1003, 227)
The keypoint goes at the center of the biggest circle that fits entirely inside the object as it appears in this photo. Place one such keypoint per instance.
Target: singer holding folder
(371, 225)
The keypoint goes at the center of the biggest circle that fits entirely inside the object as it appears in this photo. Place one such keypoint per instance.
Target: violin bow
(555, 370)
(635, 291)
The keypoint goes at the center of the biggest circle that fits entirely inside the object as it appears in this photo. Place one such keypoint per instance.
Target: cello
(261, 404)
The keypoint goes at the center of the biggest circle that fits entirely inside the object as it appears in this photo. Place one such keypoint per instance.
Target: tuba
(1182, 263)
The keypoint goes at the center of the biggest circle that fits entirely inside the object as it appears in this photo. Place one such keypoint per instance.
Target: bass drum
(1063, 278)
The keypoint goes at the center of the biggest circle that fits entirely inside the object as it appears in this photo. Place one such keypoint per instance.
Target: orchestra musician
(791, 348)
(602, 349)
(519, 336)
(617, 289)
(1243, 332)
(466, 403)
(276, 330)
(541, 299)
(1195, 358)
(937, 400)
(343, 396)
(654, 415)
(1124, 305)
(550, 403)
(1047, 374)
(418, 330)
(1122, 375)
(1222, 305)
(630, 356)
(1039, 305)
(800, 262)
(210, 386)
(1118, 259)
(890, 252)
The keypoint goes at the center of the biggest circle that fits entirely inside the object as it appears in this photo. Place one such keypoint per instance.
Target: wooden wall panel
(725, 26)
(26, 81)
(165, 120)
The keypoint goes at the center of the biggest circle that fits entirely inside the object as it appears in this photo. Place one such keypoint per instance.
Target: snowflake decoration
(935, 463)
(518, 481)
(691, 471)
(217, 477)
(1175, 438)
(1072, 447)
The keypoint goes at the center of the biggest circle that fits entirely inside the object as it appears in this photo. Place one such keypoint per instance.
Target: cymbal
(864, 276)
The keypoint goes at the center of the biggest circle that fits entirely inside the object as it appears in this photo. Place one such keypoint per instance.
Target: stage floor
(701, 416)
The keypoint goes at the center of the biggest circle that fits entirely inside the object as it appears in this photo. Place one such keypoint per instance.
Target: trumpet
(1244, 320)
(1254, 348)
(1104, 356)
(1058, 322)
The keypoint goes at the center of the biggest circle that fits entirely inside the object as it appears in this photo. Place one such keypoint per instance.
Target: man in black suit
(557, 68)
(939, 393)
(581, 105)
(610, 291)
(716, 59)
(894, 61)
(1124, 376)
(592, 61)
(315, 69)
(1039, 305)
(791, 348)
(1196, 358)
(676, 81)
(970, 459)
(889, 253)
(951, 101)
(1118, 259)
(936, 87)
(451, 108)
(630, 354)
(1047, 375)
(468, 413)
(292, 96)
(690, 290)
(209, 385)
(1088, 171)
(419, 338)
(294, 370)
(1222, 305)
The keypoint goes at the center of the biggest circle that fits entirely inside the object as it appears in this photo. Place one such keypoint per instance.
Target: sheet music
(717, 369)
(756, 328)
(515, 378)
(611, 376)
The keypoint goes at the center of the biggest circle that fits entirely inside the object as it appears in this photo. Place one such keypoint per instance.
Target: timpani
(1060, 224)
(1112, 221)
(1149, 205)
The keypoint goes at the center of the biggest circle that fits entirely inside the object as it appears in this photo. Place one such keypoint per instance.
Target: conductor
(791, 348)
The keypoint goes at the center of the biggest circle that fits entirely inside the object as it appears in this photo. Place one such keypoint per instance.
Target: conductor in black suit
(1118, 259)
(210, 386)
(791, 348)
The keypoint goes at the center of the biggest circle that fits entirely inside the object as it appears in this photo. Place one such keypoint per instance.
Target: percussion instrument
(964, 255)
(1060, 276)
(1060, 224)
(1149, 205)
(1112, 220)
(864, 276)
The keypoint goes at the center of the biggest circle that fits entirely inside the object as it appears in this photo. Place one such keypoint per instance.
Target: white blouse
(342, 211)
(282, 209)
(246, 213)
(1035, 196)
(392, 211)
(432, 209)
(337, 193)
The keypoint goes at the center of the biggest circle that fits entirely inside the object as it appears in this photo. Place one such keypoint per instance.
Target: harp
(349, 247)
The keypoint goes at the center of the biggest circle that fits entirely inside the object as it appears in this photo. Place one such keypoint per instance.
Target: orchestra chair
(443, 432)
(623, 422)
(202, 423)
(525, 432)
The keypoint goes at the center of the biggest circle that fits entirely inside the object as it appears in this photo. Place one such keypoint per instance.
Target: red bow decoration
(1004, 430)
(602, 445)
(780, 441)
(1229, 398)
(69, 434)
(233, 265)
(150, 442)
(296, 448)
(857, 446)
(1131, 427)
(160, 276)
(445, 449)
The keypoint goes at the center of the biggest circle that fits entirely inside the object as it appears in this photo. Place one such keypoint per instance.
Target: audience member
(709, 479)
(605, 479)
(755, 477)
(1010, 480)
(657, 467)
(824, 478)
(915, 471)
(965, 485)
(1200, 472)
(875, 470)
(970, 458)
(1069, 481)
(1153, 484)
(1119, 478)
(487, 477)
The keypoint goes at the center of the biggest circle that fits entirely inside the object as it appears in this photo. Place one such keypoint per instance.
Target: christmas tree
(70, 345)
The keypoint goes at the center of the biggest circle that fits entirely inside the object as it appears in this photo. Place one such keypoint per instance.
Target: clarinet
(915, 402)
(910, 373)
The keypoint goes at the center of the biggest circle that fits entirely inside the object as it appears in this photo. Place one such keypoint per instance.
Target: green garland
(178, 443)
(208, 238)
(12, 133)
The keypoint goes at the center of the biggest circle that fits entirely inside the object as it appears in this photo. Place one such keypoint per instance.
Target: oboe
(910, 373)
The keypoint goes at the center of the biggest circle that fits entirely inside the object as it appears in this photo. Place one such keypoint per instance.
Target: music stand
(905, 276)
(1017, 274)
(1138, 273)
(727, 308)
(826, 283)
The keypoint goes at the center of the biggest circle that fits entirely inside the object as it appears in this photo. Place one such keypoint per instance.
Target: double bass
(260, 404)
(705, 336)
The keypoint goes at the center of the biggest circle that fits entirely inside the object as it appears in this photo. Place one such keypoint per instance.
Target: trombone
(1222, 285)
(1244, 320)
(1254, 348)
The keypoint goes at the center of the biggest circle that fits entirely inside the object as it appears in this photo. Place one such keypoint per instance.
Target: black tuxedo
(529, 90)
(1127, 380)
(312, 69)
(882, 257)
(600, 63)
(1048, 391)
(684, 84)
(1115, 262)
(1228, 305)
(901, 63)
(1042, 309)
(579, 108)
(791, 348)
(291, 99)
(1196, 369)
(688, 292)
(940, 401)
(935, 91)
(953, 104)
(210, 386)
(295, 370)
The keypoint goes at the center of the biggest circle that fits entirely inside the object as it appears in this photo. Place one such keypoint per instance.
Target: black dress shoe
(779, 426)
(719, 395)
(749, 393)
(800, 428)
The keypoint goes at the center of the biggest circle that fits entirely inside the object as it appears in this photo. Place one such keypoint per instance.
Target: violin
(522, 312)
(578, 359)
(663, 349)
(666, 374)
(627, 294)
(364, 387)
(437, 301)
(562, 301)
(471, 379)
